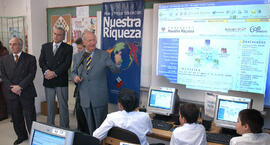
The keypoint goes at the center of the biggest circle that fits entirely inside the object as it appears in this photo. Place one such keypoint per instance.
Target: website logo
(181, 29)
(256, 29)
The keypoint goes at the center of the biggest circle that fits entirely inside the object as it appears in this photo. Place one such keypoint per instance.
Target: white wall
(35, 13)
(37, 35)
(64, 3)
(14, 7)
(1, 8)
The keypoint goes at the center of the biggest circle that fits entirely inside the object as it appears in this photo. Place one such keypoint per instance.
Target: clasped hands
(50, 74)
(16, 89)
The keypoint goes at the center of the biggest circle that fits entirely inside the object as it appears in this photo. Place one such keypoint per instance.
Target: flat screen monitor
(227, 109)
(42, 134)
(161, 100)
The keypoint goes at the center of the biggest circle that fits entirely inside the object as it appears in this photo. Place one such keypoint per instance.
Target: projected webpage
(160, 99)
(229, 110)
(41, 138)
(217, 46)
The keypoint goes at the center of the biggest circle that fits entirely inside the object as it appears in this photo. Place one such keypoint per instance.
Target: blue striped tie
(88, 62)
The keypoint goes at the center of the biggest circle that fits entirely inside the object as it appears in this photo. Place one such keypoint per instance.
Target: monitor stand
(231, 132)
(171, 118)
(162, 117)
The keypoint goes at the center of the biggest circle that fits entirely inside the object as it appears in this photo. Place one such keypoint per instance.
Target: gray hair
(62, 29)
(87, 31)
(20, 41)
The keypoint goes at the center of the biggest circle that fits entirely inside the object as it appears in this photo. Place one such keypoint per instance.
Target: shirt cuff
(118, 65)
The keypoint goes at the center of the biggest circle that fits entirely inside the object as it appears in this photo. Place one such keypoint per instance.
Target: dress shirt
(136, 122)
(92, 54)
(189, 134)
(14, 56)
(251, 139)
(55, 48)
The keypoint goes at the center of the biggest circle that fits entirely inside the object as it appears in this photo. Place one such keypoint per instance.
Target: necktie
(55, 49)
(88, 62)
(16, 58)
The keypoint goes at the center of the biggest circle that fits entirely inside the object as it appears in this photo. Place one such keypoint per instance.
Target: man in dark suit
(18, 71)
(3, 102)
(90, 75)
(55, 60)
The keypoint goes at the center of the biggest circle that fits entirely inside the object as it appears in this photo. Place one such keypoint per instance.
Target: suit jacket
(21, 73)
(93, 87)
(59, 63)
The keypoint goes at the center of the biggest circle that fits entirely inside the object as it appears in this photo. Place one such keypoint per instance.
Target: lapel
(11, 62)
(83, 65)
(14, 66)
(50, 49)
(58, 49)
(20, 61)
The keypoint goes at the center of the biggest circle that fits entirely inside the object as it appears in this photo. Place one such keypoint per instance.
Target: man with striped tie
(90, 75)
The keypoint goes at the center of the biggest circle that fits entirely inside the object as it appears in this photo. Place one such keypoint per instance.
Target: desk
(166, 135)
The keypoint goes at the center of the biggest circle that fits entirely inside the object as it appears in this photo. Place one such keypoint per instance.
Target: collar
(248, 134)
(91, 54)
(57, 43)
(19, 54)
(189, 125)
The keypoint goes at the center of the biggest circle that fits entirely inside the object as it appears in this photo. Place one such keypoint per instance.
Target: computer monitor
(49, 135)
(161, 100)
(227, 109)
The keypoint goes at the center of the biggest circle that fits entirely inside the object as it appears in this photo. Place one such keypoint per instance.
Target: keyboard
(160, 124)
(219, 138)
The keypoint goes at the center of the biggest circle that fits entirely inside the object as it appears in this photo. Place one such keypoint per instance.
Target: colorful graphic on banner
(122, 24)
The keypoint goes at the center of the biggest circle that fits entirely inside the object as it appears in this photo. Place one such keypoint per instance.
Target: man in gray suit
(89, 72)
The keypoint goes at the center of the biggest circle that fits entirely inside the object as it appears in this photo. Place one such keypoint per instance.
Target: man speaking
(90, 75)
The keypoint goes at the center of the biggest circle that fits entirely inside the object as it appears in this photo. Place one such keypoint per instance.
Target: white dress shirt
(56, 46)
(189, 134)
(251, 139)
(19, 54)
(136, 122)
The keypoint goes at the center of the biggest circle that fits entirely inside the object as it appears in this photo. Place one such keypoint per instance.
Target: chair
(117, 135)
(85, 139)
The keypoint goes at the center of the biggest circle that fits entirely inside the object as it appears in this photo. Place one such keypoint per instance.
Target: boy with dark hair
(249, 125)
(127, 118)
(79, 44)
(190, 133)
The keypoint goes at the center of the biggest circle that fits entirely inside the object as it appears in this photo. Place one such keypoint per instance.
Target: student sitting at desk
(249, 125)
(127, 118)
(190, 133)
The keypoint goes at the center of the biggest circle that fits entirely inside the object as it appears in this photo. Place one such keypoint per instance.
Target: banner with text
(122, 25)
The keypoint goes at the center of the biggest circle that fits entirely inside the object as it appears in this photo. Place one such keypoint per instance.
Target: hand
(118, 58)
(16, 89)
(77, 79)
(50, 74)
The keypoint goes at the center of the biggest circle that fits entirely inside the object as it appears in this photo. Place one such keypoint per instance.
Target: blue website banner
(122, 25)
